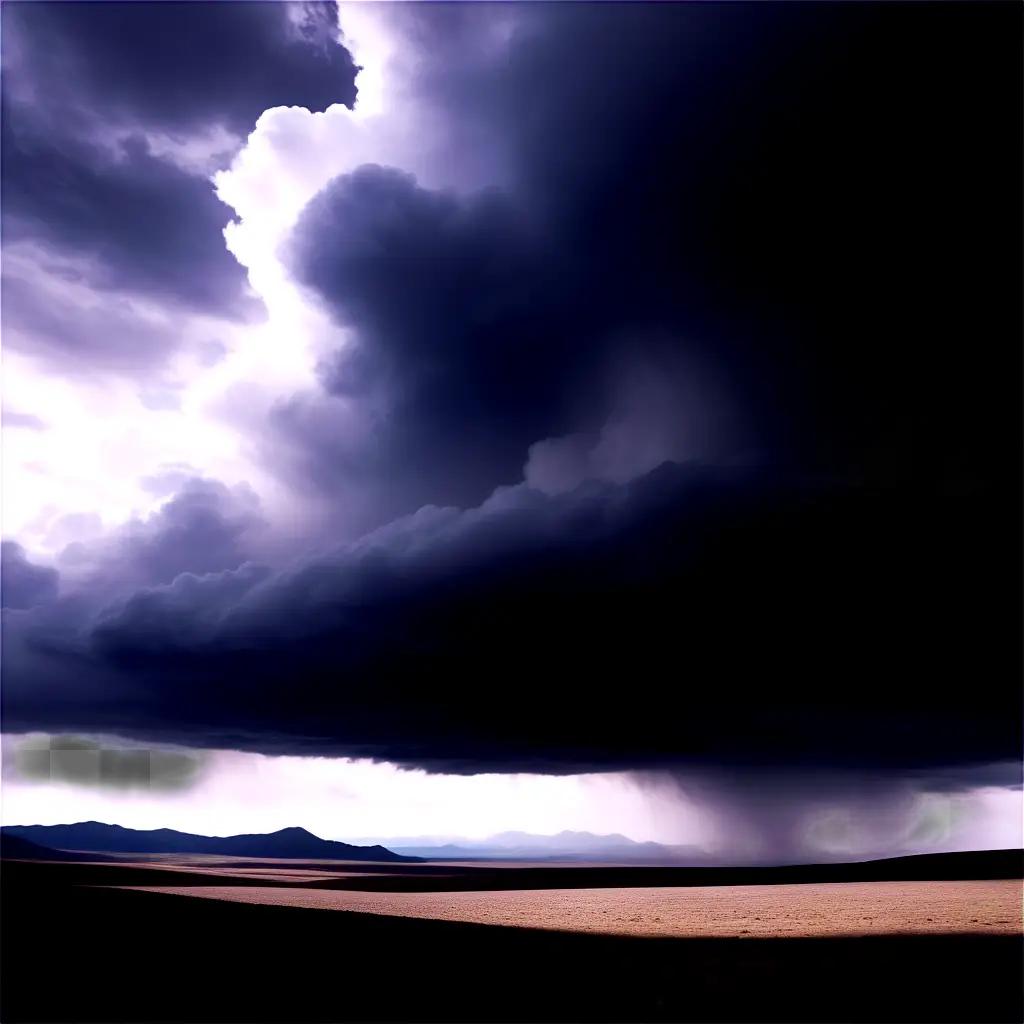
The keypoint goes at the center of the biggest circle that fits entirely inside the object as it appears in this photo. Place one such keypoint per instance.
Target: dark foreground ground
(74, 952)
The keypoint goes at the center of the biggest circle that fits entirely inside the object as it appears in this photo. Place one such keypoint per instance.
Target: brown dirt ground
(765, 911)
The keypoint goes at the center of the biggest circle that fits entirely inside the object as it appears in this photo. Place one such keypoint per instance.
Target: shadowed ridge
(293, 842)
(16, 848)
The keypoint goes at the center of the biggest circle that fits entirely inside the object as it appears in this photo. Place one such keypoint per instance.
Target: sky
(437, 419)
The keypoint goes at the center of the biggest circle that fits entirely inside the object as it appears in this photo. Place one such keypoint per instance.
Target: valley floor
(243, 942)
(803, 911)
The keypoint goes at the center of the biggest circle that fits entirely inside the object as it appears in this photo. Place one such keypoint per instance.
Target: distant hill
(288, 842)
(16, 848)
(565, 846)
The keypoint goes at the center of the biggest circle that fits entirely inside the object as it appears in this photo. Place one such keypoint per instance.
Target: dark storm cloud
(691, 617)
(90, 88)
(132, 222)
(470, 323)
(462, 324)
(812, 200)
(177, 67)
(23, 584)
(821, 204)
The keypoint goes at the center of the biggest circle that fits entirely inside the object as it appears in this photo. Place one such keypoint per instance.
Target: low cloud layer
(690, 616)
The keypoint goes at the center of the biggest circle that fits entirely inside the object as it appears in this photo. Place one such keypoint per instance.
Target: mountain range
(101, 837)
(96, 836)
(565, 846)
(16, 848)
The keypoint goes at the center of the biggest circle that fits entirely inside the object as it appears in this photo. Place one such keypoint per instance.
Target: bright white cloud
(107, 432)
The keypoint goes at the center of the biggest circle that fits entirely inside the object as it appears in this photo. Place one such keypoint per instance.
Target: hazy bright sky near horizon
(238, 793)
(449, 419)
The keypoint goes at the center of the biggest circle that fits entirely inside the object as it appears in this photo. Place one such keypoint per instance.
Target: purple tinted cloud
(697, 210)
(89, 91)
(748, 622)
(24, 584)
(22, 420)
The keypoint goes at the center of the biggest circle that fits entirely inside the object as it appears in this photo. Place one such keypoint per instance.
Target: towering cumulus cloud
(114, 116)
(634, 389)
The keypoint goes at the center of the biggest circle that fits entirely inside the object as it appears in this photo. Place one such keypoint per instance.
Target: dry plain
(758, 911)
(199, 939)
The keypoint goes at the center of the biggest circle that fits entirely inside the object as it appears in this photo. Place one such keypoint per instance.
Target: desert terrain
(767, 911)
(174, 938)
